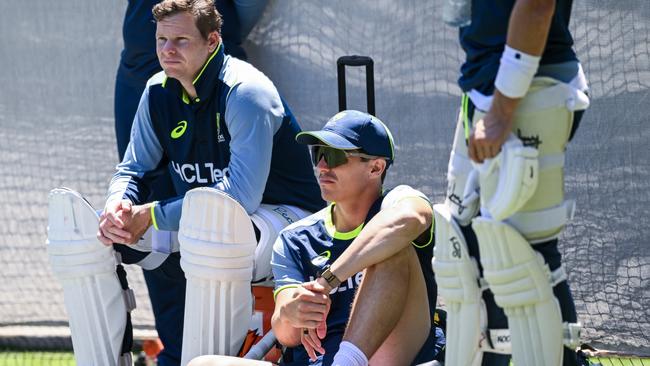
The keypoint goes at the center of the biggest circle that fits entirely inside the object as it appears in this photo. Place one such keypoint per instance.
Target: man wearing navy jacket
(210, 120)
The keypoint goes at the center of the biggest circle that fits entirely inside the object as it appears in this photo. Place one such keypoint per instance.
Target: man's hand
(121, 222)
(491, 131)
(111, 223)
(306, 309)
(311, 337)
(138, 222)
(299, 308)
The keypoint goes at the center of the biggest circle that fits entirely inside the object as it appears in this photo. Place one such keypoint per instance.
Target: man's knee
(396, 266)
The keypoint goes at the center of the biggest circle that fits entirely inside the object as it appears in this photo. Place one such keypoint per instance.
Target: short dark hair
(206, 16)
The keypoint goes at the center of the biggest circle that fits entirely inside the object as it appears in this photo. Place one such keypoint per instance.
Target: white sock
(349, 355)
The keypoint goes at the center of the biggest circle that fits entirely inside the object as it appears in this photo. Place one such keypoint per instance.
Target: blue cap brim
(325, 138)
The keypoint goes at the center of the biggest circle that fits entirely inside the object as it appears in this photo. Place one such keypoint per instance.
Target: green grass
(624, 361)
(36, 359)
(618, 361)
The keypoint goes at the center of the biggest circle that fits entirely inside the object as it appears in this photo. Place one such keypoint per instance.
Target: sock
(349, 355)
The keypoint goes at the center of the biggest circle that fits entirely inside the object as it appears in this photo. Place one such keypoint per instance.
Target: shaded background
(57, 65)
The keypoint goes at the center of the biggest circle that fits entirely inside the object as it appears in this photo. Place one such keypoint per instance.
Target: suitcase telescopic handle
(355, 61)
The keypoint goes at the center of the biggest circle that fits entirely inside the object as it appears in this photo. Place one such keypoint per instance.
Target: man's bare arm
(530, 22)
(388, 232)
(528, 29)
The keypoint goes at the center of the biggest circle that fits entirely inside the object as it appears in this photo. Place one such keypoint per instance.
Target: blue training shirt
(485, 38)
(238, 136)
(305, 247)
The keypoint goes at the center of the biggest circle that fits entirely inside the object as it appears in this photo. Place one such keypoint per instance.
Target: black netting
(58, 62)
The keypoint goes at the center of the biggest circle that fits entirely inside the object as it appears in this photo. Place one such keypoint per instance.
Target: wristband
(515, 72)
(153, 215)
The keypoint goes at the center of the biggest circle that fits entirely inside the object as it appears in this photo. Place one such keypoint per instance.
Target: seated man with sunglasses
(353, 282)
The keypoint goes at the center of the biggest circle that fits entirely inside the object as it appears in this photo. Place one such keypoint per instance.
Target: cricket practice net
(58, 63)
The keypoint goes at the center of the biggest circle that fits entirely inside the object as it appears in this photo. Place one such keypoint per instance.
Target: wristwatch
(329, 277)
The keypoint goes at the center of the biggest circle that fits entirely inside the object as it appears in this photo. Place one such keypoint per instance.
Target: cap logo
(337, 117)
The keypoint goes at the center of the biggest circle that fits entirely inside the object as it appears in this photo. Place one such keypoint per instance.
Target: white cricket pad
(522, 286)
(95, 302)
(463, 203)
(545, 93)
(552, 93)
(517, 169)
(217, 244)
(458, 281)
(270, 220)
(551, 220)
(532, 203)
(226, 361)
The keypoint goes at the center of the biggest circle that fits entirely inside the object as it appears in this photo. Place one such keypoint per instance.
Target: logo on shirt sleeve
(220, 137)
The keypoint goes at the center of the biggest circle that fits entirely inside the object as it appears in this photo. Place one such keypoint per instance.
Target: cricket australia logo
(220, 137)
(337, 117)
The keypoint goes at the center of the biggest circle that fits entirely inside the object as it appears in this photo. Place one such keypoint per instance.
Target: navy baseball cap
(353, 130)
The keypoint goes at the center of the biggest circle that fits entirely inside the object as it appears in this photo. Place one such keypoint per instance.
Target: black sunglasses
(334, 157)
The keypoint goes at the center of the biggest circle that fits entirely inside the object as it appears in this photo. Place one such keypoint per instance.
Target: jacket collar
(204, 81)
